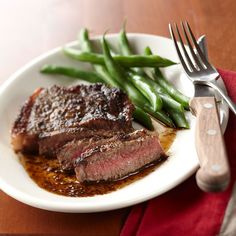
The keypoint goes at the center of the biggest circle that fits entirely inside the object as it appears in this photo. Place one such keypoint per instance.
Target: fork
(210, 69)
(213, 174)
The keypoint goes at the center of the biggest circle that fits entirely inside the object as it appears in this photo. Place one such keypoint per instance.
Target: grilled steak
(117, 157)
(89, 127)
(71, 151)
(52, 117)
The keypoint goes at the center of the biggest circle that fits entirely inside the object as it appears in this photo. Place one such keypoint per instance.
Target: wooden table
(29, 28)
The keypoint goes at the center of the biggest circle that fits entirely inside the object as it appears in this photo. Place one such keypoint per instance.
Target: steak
(115, 158)
(74, 149)
(54, 116)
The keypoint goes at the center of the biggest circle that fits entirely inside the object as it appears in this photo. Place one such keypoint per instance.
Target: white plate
(15, 181)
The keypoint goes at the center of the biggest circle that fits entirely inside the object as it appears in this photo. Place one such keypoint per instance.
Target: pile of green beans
(173, 101)
(153, 96)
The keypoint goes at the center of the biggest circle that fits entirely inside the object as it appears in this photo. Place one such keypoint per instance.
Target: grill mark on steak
(57, 115)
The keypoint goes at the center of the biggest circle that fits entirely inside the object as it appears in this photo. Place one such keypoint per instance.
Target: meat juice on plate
(48, 175)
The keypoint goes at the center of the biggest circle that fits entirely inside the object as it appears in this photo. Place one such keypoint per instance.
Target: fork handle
(213, 174)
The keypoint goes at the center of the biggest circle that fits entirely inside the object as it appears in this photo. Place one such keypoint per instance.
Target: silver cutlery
(202, 42)
(213, 174)
(213, 84)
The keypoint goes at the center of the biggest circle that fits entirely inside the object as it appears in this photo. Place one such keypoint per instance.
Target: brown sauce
(49, 176)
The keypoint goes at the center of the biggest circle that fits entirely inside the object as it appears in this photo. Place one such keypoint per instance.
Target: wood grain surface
(30, 28)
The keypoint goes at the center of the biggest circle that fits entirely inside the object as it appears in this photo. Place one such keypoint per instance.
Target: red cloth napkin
(186, 210)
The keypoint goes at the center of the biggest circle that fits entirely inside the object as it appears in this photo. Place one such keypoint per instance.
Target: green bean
(84, 41)
(124, 42)
(88, 76)
(168, 102)
(166, 99)
(126, 49)
(126, 61)
(102, 71)
(179, 118)
(178, 96)
(86, 46)
(148, 91)
(143, 118)
(165, 84)
(138, 99)
(118, 74)
(160, 116)
(148, 51)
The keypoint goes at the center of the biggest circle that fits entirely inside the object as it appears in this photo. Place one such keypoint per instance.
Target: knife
(223, 114)
(221, 90)
(202, 42)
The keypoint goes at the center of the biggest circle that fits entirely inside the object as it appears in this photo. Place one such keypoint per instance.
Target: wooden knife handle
(213, 174)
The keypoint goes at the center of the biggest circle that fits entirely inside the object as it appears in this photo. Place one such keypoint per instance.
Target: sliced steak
(51, 117)
(73, 150)
(121, 157)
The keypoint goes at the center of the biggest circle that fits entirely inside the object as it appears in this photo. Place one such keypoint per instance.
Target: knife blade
(220, 91)
(202, 42)
(224, 113)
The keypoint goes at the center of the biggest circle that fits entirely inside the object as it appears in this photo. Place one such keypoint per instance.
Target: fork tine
(196, 59)
(203, 58)
(178, 51)
(184, 50)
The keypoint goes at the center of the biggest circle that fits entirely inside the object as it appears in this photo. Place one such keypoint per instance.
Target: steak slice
(51, 117)
(120, 158)
(74, 149)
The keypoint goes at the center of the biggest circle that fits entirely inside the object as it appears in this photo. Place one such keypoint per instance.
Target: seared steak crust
(21, 138)
(57, 115)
